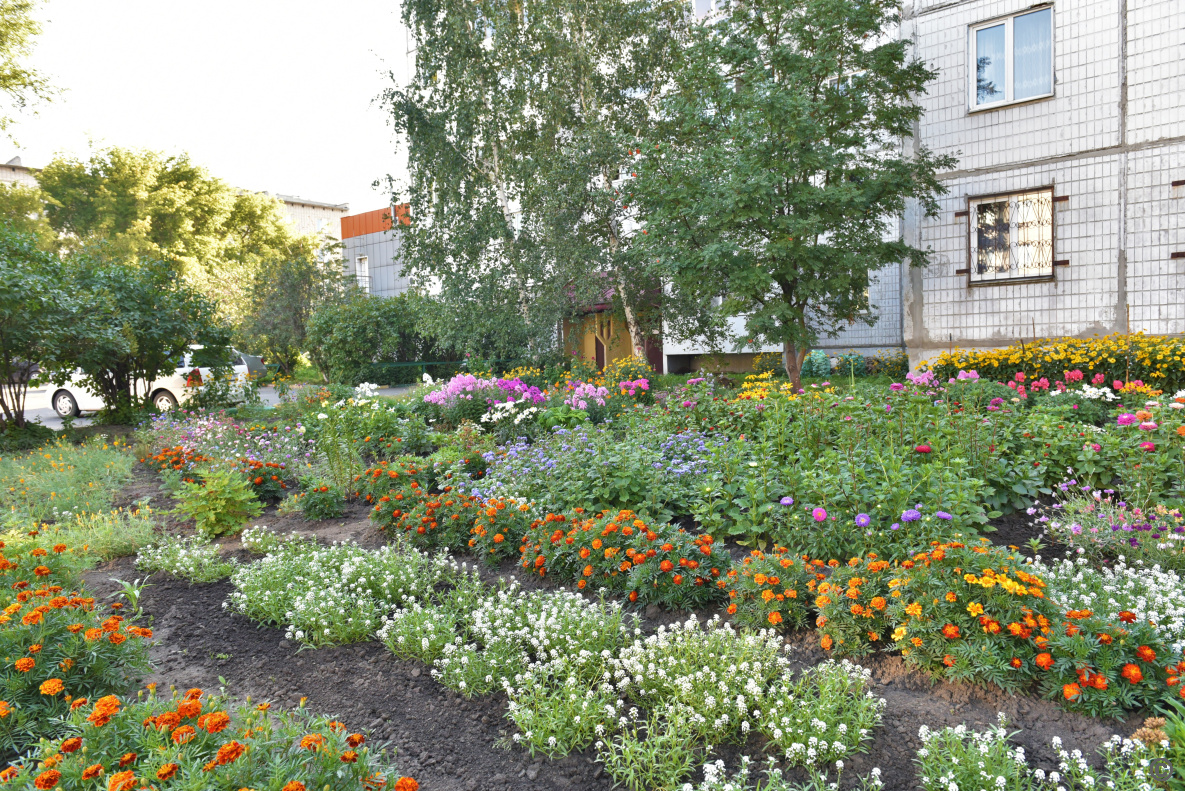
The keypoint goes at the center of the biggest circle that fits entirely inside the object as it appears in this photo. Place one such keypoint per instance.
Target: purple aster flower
(787, 500)
(911, 515)
(944, 515)
(863, 520)
(895, 526)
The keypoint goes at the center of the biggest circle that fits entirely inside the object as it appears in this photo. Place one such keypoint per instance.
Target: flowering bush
(499, 528)
(192, 558)
(58, 648)
(218, 438)
(193, 742)
(320, 499)
(595, 468)
(1157, 359)
(622, 553)
(770, 589)
(971, 614)
(427, 520)
(332, 595)
(1095, 524)
(386, 477)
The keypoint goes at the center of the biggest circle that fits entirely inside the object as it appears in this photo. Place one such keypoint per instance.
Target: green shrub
(320, 499)
(769, 363)
(57, 645)
(851, 364)
(220, 505)
(893, 363)
(817, 364)
(27, 437)
(351, 340)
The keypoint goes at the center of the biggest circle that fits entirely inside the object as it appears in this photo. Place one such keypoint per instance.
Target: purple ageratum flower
(911, 515)
(944, 515)
(819, 514)
(863, 520)
(787, 500)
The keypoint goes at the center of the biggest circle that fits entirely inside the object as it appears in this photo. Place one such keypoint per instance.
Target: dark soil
(448, 742)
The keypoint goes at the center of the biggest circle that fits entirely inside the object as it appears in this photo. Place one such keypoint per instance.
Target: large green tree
(143, 205)
(517, 122)
(33, 317)
(782, 162)
(284, 295)
(22, 84)
(130, 322)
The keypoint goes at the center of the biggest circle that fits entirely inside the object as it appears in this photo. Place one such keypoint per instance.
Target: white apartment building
(1065, 215)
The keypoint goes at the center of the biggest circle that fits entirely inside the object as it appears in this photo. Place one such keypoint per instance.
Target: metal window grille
(362, 272)
(1011, 236)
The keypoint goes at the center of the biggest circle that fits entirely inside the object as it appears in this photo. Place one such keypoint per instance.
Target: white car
(72, 399)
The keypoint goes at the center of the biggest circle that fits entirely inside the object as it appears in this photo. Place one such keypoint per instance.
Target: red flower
(1127, 616)
(922, 449)
(1145, 654)
(1132, 673)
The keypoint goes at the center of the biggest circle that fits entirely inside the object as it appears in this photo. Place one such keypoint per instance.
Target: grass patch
(61, 481)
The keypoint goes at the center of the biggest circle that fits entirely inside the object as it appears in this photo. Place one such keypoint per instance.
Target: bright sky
(273, 95)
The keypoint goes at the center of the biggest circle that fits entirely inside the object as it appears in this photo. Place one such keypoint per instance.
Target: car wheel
(164, 401)
(65, 405)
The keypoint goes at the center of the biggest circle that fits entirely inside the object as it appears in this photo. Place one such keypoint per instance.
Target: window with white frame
(1012, 59)
(1011, 236)
(362, 272)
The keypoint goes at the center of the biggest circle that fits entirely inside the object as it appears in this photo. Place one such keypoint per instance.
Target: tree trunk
(792, 359)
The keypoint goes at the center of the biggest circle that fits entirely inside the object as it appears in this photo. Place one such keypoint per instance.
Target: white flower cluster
(193, 558)
(366, 390)
(336, 594)
(717, 779)
(713, 677)
(1089, 392)
(824, 716)
(262, 540)
(959, 758)
(509, 410)
(1152, 593)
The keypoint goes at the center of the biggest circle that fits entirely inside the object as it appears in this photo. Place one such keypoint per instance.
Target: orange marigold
(71, 745)
(167, 771)
(406, 784)
(183, 734)
(216, 722)
(25, 664)
(293, 785)
(230, 752)
(47, 779)
(52, 686)
(313, 741)
(355, 739)
(189, 708)
(349, 757)
(122, 781)
(92, 771)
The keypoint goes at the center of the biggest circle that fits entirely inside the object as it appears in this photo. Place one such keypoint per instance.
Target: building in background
(370, 249)
(315, 217)
(13, 172)
(1066, 213)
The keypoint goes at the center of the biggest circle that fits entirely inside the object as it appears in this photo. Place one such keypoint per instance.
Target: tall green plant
(778, 170)
(220, 505)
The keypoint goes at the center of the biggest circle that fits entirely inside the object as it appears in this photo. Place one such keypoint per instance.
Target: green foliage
(101, 536)
(61, 479)
(320, 499)
(139, 204)
(30, 436)
(22, 84)
(772, 176)
(220, 505)
(817, 364)
(130, 323)
(893, 363)
(562, 416)
(516, 229)
(770, 589)
(68, 650)
(851, 364)
(769, 363)
(284, 295)
(34, 324)
(349, 341)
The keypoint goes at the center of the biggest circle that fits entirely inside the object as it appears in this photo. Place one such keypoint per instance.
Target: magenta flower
(1148, 426)
(1127, 419)
(896, 387)
(922, 449)
(819, 514)
(1148, 446)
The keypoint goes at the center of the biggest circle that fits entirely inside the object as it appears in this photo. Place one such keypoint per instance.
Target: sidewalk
(37, 405)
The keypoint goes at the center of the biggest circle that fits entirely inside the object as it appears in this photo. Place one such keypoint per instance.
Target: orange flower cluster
(622, 553)
(175, 458)
(771, 588)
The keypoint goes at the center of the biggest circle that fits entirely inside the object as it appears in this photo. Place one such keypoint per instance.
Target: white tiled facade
(314, 217)
(383, 261)
(1111, 141)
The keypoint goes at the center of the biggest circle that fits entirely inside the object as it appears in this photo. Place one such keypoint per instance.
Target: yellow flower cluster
(1158, 360)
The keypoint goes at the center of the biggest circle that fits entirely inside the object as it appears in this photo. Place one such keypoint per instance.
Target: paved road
(38, 408)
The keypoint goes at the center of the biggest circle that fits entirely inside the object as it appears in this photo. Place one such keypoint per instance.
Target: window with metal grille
(1011, 236)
